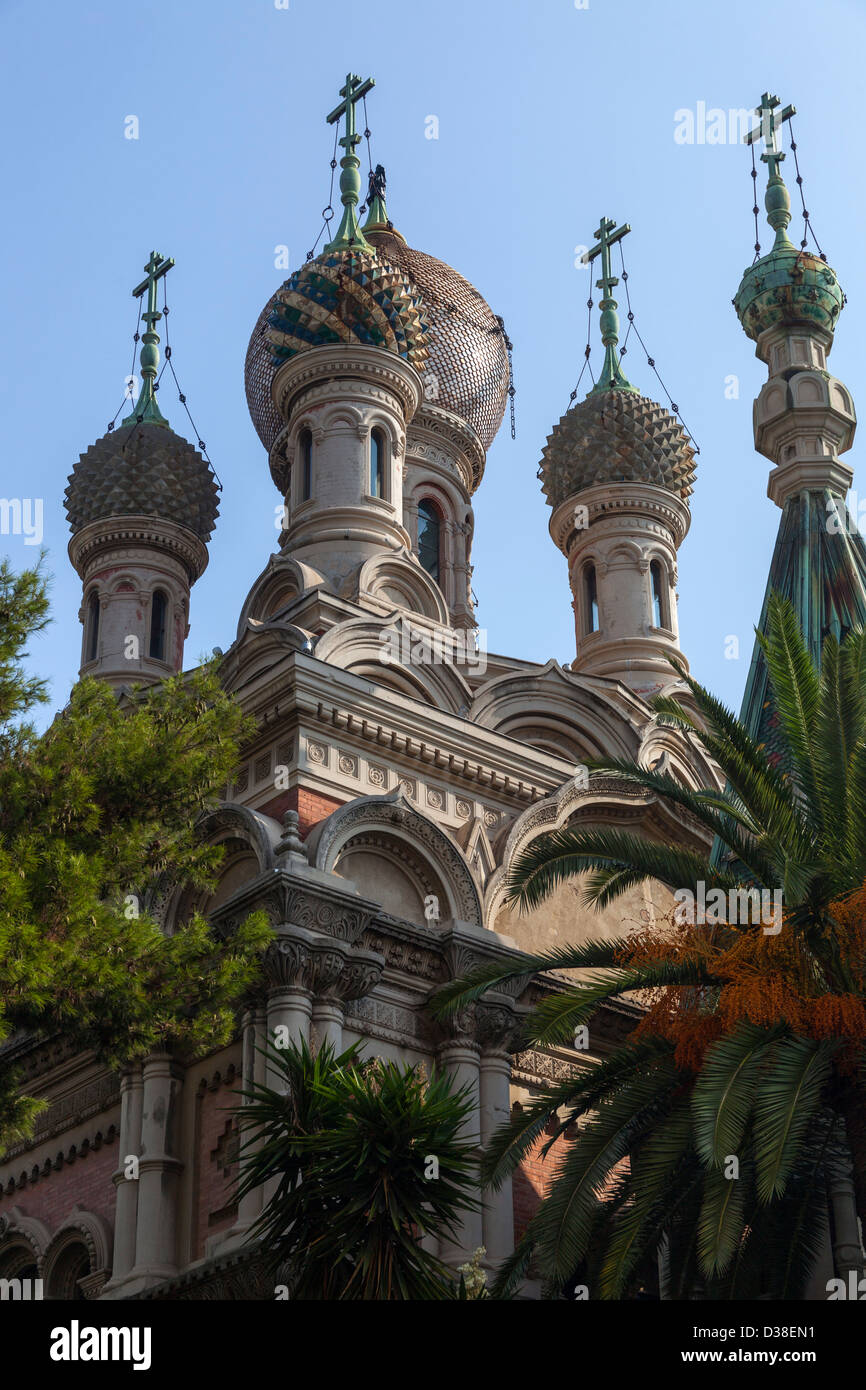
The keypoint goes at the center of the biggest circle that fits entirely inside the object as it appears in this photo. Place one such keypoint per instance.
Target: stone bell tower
(141, 504)
(618, 471)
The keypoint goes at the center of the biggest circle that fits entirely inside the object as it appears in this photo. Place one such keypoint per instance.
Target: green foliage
(349, 1144)
(93, 813)
(788, 1108)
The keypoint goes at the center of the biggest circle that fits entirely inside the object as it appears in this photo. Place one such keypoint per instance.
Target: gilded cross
(349, 232)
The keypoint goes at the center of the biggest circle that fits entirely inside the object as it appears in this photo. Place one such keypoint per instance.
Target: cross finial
(146, 409)
(349, 232)
(611, 374)
(776, 199)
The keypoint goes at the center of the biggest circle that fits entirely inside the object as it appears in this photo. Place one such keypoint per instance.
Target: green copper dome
(788, 286)
(348, 296)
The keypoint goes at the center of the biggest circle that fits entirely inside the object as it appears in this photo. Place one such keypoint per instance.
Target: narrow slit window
(306, 447)
(591, 596)
(657, 582)
(429, 529)
(92, 627)
(377, 463)
(158, 614)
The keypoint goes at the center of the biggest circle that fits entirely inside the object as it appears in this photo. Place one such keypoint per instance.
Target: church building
(397, 769)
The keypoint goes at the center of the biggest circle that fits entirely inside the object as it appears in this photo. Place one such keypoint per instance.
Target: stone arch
(282, 576)
(250, 839)
(384, 843)
(23, 1243)
(79, 1254)
(380, 650)
(399, 579)
(551, 709)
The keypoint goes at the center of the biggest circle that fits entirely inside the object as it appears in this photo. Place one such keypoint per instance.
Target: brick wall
(83, 1180)
(311, 807)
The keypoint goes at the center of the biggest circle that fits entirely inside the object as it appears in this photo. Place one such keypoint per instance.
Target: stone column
(159, 1169)
(126, 1201)
(254, 1024)
(847, 1250)
(460, 1056)
(498, 1215)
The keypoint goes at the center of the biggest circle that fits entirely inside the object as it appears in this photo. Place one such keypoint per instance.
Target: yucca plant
(369, 1159)
(753, 1045)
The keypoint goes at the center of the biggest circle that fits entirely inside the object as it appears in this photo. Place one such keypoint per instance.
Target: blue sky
(549, 116)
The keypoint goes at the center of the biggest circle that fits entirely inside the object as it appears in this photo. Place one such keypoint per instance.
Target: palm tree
(750, 1058)
(368, 1158)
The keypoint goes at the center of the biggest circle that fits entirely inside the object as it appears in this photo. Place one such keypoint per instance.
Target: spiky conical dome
(616, 436)
(788, 286)
(467, 361)
(143, 470)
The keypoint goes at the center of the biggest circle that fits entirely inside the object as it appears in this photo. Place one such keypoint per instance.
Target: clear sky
(549, 116)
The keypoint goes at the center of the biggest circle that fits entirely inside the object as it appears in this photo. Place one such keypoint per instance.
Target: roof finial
(146, 409)
(777, 200)
(349, 233)
(612, 375)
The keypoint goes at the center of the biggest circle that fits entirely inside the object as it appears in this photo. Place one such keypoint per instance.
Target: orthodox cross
(766, 131)
(146, 409)
(349, 232)
(608, 234)
(776, 199)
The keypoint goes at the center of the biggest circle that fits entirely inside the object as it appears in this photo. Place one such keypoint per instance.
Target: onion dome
(386, 293)
(343, 297)
(788, 286)
(616, 436)
(143, 470)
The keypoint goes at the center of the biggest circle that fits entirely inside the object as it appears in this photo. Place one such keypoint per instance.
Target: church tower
(141, 505)
(789, 303)
(618, 471)
(376, 378)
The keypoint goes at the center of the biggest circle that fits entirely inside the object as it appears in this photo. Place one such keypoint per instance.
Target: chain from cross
(771, 120)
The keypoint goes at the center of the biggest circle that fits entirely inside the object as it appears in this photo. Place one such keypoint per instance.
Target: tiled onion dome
(143, 470)
(466, 370)
(343, 296)
(788, 286)
(616, 436)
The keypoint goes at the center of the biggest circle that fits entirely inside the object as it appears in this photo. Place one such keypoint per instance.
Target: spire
(788, 303)
(612, 376)
(349, 234)
(777, 200)
(146, 409)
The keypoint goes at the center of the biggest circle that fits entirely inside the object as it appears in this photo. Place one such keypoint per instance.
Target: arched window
(92, 627)
(429, 528)
(377, 463)
(658, 593)
(590, 594)
(158, 614)
(305, 447)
